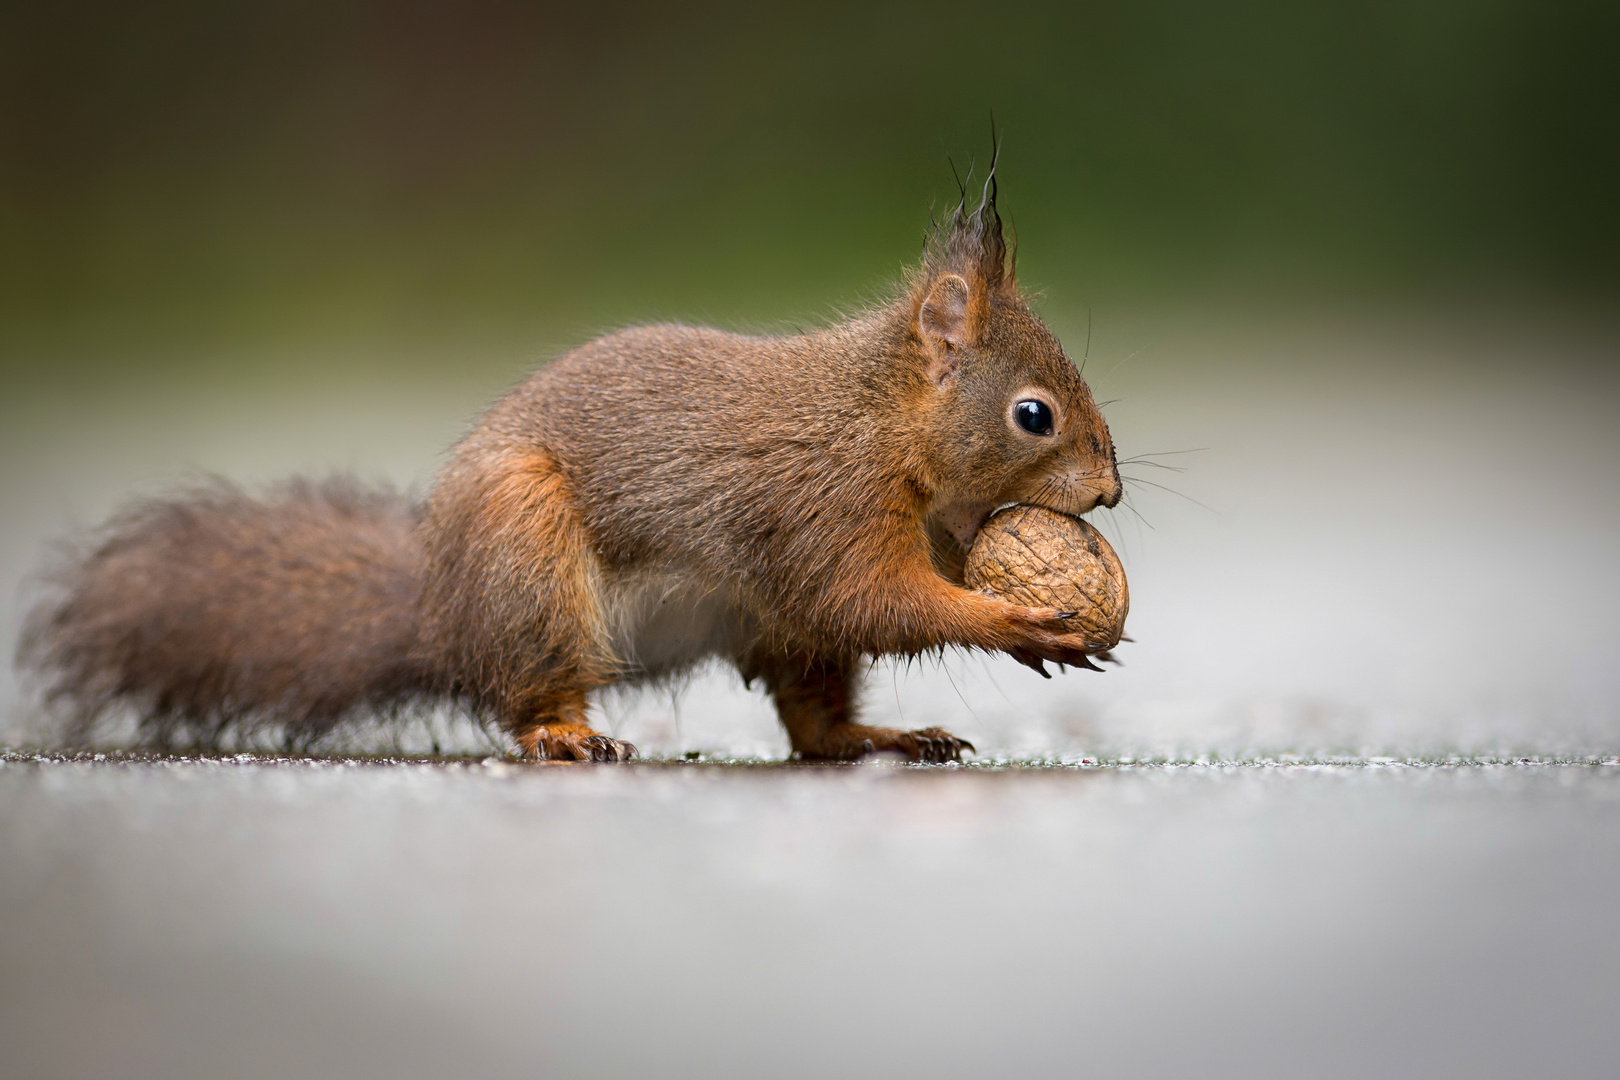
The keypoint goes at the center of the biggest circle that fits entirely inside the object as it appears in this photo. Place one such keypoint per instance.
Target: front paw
(851, 742)
(1042, 635)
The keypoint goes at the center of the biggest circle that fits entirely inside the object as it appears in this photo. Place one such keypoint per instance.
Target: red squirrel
(796, 505)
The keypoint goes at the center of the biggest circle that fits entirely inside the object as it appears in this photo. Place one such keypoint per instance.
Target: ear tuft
(971, 242)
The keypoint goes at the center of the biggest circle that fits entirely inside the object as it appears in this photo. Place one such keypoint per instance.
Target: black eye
(1033, 416)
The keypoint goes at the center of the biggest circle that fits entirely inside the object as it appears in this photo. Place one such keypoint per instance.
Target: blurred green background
(395, 184)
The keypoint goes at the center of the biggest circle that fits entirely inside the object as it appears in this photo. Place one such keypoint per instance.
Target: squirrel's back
(702, 448)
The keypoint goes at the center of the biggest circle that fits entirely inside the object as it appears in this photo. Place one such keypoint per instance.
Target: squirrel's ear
(943, 321)
(944, 313)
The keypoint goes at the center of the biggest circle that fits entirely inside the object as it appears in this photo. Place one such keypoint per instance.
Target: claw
(933, 746)
(602, 748)
(1034, 663)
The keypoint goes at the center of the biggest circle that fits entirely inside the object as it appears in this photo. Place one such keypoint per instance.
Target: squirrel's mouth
(1074, 492)
(965, 519)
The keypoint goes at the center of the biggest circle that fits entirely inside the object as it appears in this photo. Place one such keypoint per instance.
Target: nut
(1039, 558)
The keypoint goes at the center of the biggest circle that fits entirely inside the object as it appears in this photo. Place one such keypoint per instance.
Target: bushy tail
(219, 613)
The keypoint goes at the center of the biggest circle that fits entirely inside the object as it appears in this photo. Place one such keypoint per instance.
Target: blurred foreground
(263, 918)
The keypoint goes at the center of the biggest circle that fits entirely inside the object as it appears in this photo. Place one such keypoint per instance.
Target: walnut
(1039, 558)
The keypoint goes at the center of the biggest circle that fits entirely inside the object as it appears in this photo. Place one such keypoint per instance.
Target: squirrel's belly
(661, 622)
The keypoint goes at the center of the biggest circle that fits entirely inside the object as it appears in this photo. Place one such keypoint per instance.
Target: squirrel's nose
(1115, 490)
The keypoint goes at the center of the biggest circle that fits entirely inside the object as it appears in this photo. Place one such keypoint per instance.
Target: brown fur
(663, 494)
(218, 610)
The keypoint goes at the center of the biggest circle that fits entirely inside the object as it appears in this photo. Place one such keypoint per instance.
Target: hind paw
(572, 742)
(849, 742)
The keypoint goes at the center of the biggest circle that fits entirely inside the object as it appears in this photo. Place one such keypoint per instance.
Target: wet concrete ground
(252, 917)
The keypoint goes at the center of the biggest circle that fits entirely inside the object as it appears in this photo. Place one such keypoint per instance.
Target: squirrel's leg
(901, 605)
(547, 710)
(815, 699)
(558, 730)
(514, 605)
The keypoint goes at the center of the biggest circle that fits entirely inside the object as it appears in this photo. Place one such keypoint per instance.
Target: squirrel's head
(1006, 416)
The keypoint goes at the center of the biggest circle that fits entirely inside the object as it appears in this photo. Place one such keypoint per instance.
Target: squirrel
(797, 505)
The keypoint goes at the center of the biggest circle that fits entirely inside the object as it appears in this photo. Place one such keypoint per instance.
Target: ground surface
(288, 918)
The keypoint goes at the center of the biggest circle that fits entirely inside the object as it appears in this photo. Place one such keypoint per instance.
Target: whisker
(1132, 356)
(1171, 490)
(946, 668)
(1168, 453)
(1087, 354)
(1127, 504)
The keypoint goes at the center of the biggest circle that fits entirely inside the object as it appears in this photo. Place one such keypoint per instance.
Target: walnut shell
(1039, 558)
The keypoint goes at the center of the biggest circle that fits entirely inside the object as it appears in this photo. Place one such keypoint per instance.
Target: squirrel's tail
(218, 613)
